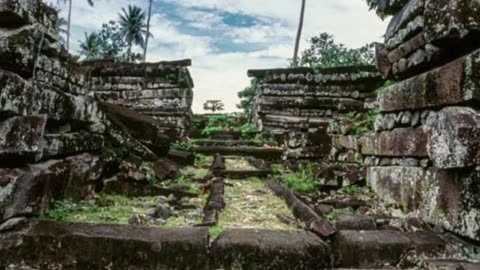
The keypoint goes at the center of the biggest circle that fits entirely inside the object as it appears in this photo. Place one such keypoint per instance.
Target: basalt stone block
(89, 246)
(264, 249)
(454, 141)
(21, 97)
(447, 198)
(21, 139)
(401, 142)
(370, 249)
(454, 83)
(19, 49)
(347, 142)
(71, 143)
(35, 187)
(15, 13)
(451, 18)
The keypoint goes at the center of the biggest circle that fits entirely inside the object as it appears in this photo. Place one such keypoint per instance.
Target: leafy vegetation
(384, 86)
(351, 190)
(247, 96)
(185, 145)
(325, 52)
(221, 122)
(360, 123)
(303, 181)
(202, 161)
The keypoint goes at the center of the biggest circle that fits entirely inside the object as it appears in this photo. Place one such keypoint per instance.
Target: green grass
(115, 209)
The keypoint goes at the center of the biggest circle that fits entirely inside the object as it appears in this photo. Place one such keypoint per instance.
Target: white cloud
(220, 75)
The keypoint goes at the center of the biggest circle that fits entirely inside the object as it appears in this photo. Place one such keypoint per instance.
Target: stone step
(265, 249)
(375, 249)
(88, 246)
(258, 152)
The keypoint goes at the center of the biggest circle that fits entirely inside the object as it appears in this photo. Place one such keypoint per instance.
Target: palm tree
(90, 47)
(132, 28)
(69, 19)
(147, 36)
(299, 34)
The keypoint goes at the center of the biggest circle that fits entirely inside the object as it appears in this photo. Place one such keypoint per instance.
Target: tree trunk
(69, 23)
(299, 34)
(148, 31)
(129, 52)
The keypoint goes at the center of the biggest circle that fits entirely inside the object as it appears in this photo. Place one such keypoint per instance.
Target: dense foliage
(247, 97)
(324, 52)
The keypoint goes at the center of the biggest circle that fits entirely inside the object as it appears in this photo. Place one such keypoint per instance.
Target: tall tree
(90, 47)
(147, 35)
(325, 52)
(133, 28)
(69, 19)
(299, 34)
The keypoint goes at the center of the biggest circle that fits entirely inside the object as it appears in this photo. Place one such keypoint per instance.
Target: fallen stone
(184, 158)
(218, 163)
(88, 246)
(453, 265)
(166, 169)
(355, 223)
(304, 213)
(215, 202)
(37, 186)
(263, 249)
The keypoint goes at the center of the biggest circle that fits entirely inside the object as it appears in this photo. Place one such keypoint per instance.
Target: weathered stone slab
(20, 97)
(401, 142)
(370, 249)
(455, 141)
(71, 143)
(446, 198)
(21, 139)
(34, 188)
(451, 18)
(89, 246)
(263, 249)
(258, 152)
(15, 13)
(355, 223)
(451, 84)
(347, 142)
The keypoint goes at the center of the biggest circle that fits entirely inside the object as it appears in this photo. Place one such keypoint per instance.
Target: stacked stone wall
(161, 90)
(300, 104)
(56, 140)
(425, 153)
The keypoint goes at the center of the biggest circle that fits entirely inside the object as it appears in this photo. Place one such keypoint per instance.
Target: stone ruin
(161, 90)
(56, 140)
(300, 104)
(425, 153)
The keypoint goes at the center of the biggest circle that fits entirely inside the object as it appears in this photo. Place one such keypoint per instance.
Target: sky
(225, 38)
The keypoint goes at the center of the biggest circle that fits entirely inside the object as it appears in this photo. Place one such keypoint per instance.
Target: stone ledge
(453, 83)
(264, 249)
(88, 246)
(370, 249)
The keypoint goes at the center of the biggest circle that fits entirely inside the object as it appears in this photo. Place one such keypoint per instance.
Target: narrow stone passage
(252, 205)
